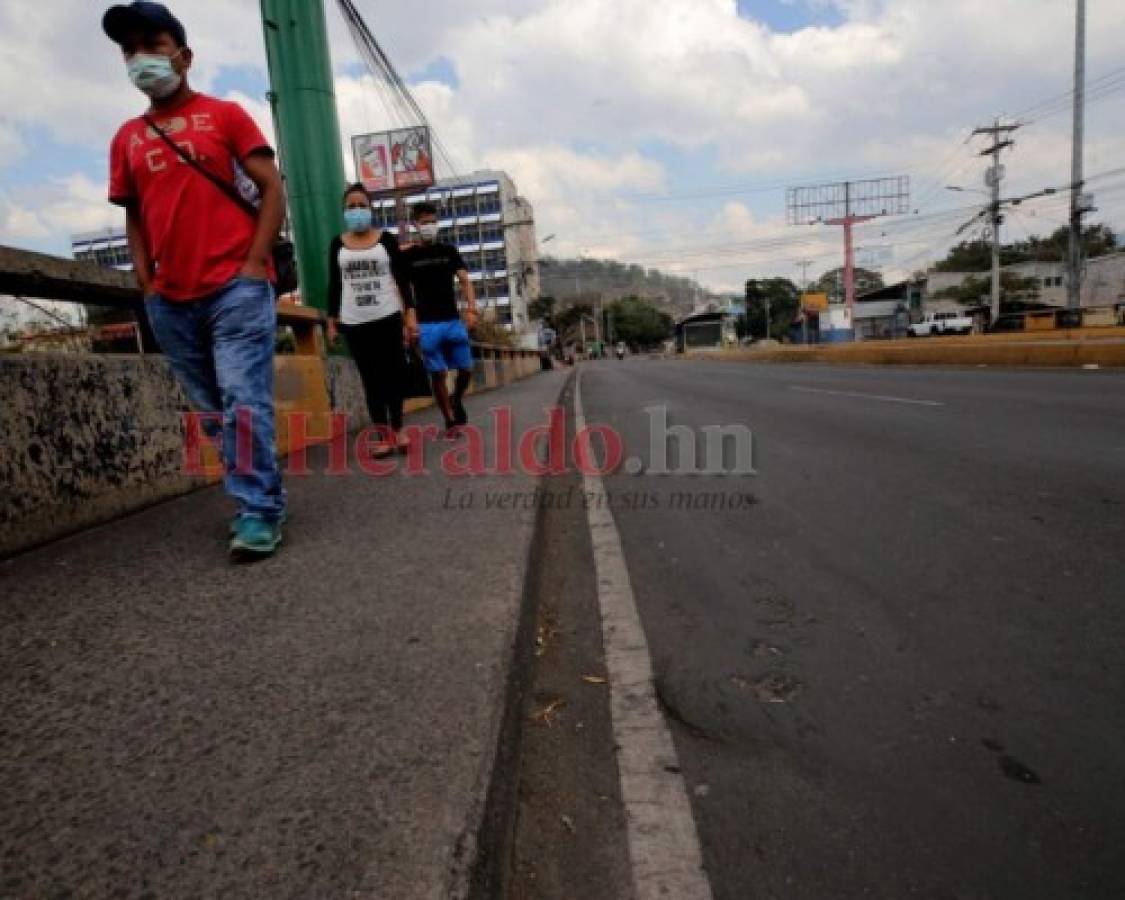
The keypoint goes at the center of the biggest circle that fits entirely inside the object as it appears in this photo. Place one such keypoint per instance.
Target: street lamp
(962, 190)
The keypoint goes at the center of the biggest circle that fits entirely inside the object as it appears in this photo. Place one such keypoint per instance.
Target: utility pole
(804, 267)
(993, 177)
(304, 111)
(1077, 201)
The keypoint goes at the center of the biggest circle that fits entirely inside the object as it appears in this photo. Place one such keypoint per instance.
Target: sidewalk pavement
(321, 724)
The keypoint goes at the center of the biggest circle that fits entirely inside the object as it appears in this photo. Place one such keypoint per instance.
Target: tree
(742, 327)
(976, 256)
(784, 300)
(968, 256)
(1016, 292)
(832, 282)
(1097, 240)
(638, 322)
(568, 319)
(543, 309)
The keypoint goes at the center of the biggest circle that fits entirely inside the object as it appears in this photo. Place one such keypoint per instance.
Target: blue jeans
(221, 350)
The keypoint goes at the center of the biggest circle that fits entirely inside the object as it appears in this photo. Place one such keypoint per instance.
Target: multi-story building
(107, 247)
(494, 228)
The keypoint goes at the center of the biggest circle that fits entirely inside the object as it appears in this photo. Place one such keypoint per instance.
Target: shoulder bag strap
(226, 187)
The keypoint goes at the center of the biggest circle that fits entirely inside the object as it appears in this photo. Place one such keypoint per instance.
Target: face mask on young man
(154, 75)
(428, 231)
(358, 220)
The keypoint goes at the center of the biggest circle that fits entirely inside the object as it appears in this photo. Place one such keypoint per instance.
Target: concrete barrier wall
(87, 438)
(84, 439)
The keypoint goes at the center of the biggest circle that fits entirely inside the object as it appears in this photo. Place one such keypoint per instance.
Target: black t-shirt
(431, 269)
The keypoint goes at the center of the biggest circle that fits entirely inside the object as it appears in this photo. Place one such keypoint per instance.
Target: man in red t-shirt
(202, 258)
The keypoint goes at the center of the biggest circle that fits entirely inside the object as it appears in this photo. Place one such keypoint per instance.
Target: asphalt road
(900, 670)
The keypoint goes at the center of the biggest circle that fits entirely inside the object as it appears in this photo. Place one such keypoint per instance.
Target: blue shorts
(445, 346)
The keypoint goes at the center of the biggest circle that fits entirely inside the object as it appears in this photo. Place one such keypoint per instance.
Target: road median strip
(1048, 349)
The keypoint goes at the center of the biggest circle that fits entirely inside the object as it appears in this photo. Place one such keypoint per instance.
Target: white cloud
(12, 146)
(57, 207)
(580, 98)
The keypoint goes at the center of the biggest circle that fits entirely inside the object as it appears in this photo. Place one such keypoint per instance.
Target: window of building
(489, 203)
(491, 232)
(495, 260)
(465, 206)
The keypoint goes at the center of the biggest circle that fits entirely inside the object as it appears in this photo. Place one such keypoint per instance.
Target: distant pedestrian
(443, 335)
(370, 302)
(202, 256)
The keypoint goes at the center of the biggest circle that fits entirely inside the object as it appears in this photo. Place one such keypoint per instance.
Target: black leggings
(381, 359)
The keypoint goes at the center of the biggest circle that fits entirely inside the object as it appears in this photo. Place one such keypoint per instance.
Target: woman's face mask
(153, 74)
(358, 219)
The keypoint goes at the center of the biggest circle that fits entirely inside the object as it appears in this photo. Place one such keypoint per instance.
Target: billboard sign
(814, 302)
(829, 202)
(389, 161)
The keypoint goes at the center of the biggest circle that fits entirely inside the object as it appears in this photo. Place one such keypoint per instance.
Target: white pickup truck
(941, 323)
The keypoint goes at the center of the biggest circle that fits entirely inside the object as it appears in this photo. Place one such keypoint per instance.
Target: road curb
(485, 851)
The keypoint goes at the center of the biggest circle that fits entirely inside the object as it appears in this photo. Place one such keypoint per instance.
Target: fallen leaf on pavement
(545, 715)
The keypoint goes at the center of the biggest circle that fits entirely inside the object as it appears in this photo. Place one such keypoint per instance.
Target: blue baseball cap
(147, 18)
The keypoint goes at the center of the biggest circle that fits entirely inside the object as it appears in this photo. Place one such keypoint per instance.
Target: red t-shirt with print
(196, 235)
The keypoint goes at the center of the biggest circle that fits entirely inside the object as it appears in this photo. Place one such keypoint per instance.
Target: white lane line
(664, 848)
(883, 397)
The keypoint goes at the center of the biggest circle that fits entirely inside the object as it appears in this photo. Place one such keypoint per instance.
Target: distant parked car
(941, 323)
(1007, 323)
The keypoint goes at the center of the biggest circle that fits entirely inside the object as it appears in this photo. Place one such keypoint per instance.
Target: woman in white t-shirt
(371, 304)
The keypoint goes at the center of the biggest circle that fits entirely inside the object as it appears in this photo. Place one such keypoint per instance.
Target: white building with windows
(1103, 282)
(493, 227)
(107, 247)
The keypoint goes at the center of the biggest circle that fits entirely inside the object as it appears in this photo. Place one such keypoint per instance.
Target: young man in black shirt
(442, 335)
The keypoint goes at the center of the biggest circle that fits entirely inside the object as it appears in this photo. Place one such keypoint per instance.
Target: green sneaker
(233, 528)
(254, 538)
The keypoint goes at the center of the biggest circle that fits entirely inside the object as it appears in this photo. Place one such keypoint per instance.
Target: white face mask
(153, 74)
(428, 231)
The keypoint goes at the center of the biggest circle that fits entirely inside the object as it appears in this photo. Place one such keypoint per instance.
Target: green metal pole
(308, 132)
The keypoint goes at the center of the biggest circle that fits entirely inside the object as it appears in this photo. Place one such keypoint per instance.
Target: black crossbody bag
(284, 261)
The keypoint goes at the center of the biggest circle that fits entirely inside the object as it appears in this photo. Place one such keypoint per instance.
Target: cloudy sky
(661, 132)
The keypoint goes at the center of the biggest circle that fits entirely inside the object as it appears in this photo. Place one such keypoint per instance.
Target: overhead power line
(393, 88)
